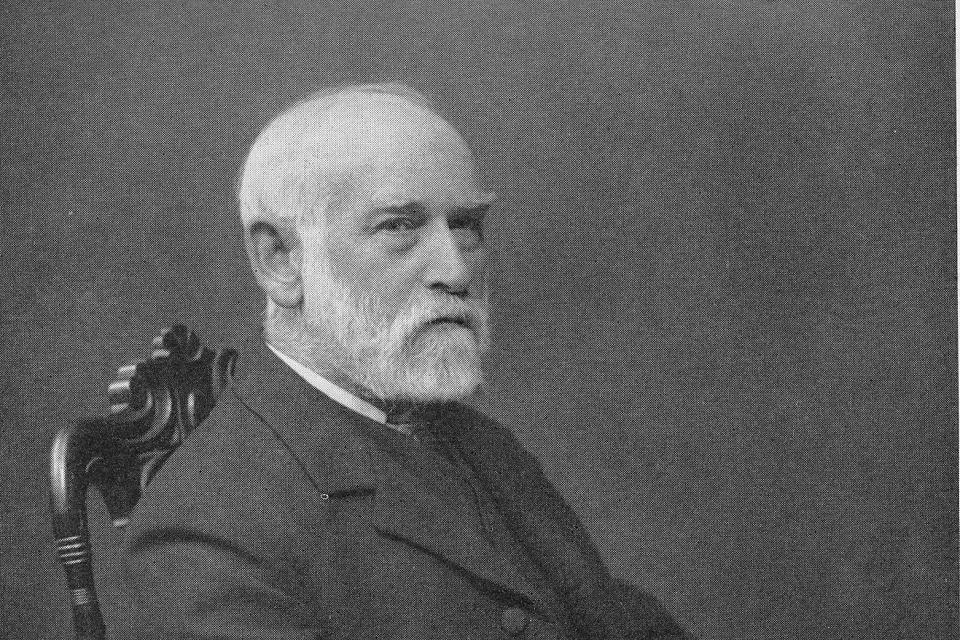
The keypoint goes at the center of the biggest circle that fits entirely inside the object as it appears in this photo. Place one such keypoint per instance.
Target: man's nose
(452, 265)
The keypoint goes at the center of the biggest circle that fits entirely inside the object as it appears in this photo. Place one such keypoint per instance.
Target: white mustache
(471, 313)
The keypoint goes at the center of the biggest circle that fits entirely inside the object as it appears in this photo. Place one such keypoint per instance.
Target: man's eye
(472, 223)
(401, 223)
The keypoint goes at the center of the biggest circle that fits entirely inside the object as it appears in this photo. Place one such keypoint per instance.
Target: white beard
(399, 358)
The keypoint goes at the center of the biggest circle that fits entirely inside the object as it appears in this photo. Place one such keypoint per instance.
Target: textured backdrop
(724, 294)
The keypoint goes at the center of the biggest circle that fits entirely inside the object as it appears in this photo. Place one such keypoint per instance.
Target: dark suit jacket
(286, 515)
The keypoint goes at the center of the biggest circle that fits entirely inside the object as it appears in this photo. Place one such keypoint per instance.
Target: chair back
(154, 405)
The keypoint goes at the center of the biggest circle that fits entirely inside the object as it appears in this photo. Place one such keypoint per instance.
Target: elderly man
(340, 489)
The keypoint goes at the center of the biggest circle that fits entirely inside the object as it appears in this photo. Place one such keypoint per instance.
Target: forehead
(398, 152)
(383, 130)
(439, 181)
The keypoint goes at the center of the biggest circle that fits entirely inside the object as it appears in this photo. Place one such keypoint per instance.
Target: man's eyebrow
(479, 207)
(471, 210)
(409, 207)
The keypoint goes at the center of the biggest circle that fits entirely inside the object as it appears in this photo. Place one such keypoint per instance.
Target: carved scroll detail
(154, 405)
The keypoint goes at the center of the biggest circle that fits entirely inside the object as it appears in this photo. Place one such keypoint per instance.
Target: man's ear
(276, 255)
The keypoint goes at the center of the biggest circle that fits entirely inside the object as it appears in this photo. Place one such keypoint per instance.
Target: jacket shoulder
(228, 475)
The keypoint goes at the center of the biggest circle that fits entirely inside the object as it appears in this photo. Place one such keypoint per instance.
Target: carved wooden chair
(154, 405)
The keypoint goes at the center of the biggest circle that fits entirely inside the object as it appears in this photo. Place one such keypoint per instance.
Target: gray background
(724, 298)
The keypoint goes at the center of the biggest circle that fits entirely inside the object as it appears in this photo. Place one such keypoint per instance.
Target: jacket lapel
(427, 512)
(318, 432)
(539, 515)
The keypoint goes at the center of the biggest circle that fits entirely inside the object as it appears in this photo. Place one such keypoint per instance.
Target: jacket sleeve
(647, 612)
(188, 584)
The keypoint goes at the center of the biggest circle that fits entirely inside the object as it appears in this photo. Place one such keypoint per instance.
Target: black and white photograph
(479, 320)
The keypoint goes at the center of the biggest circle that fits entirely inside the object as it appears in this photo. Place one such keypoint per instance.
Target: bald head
(311, 156)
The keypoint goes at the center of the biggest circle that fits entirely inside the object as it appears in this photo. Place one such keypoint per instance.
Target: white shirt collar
(339, 394)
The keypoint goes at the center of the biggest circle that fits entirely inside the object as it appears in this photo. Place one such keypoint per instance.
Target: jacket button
(514, 621)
